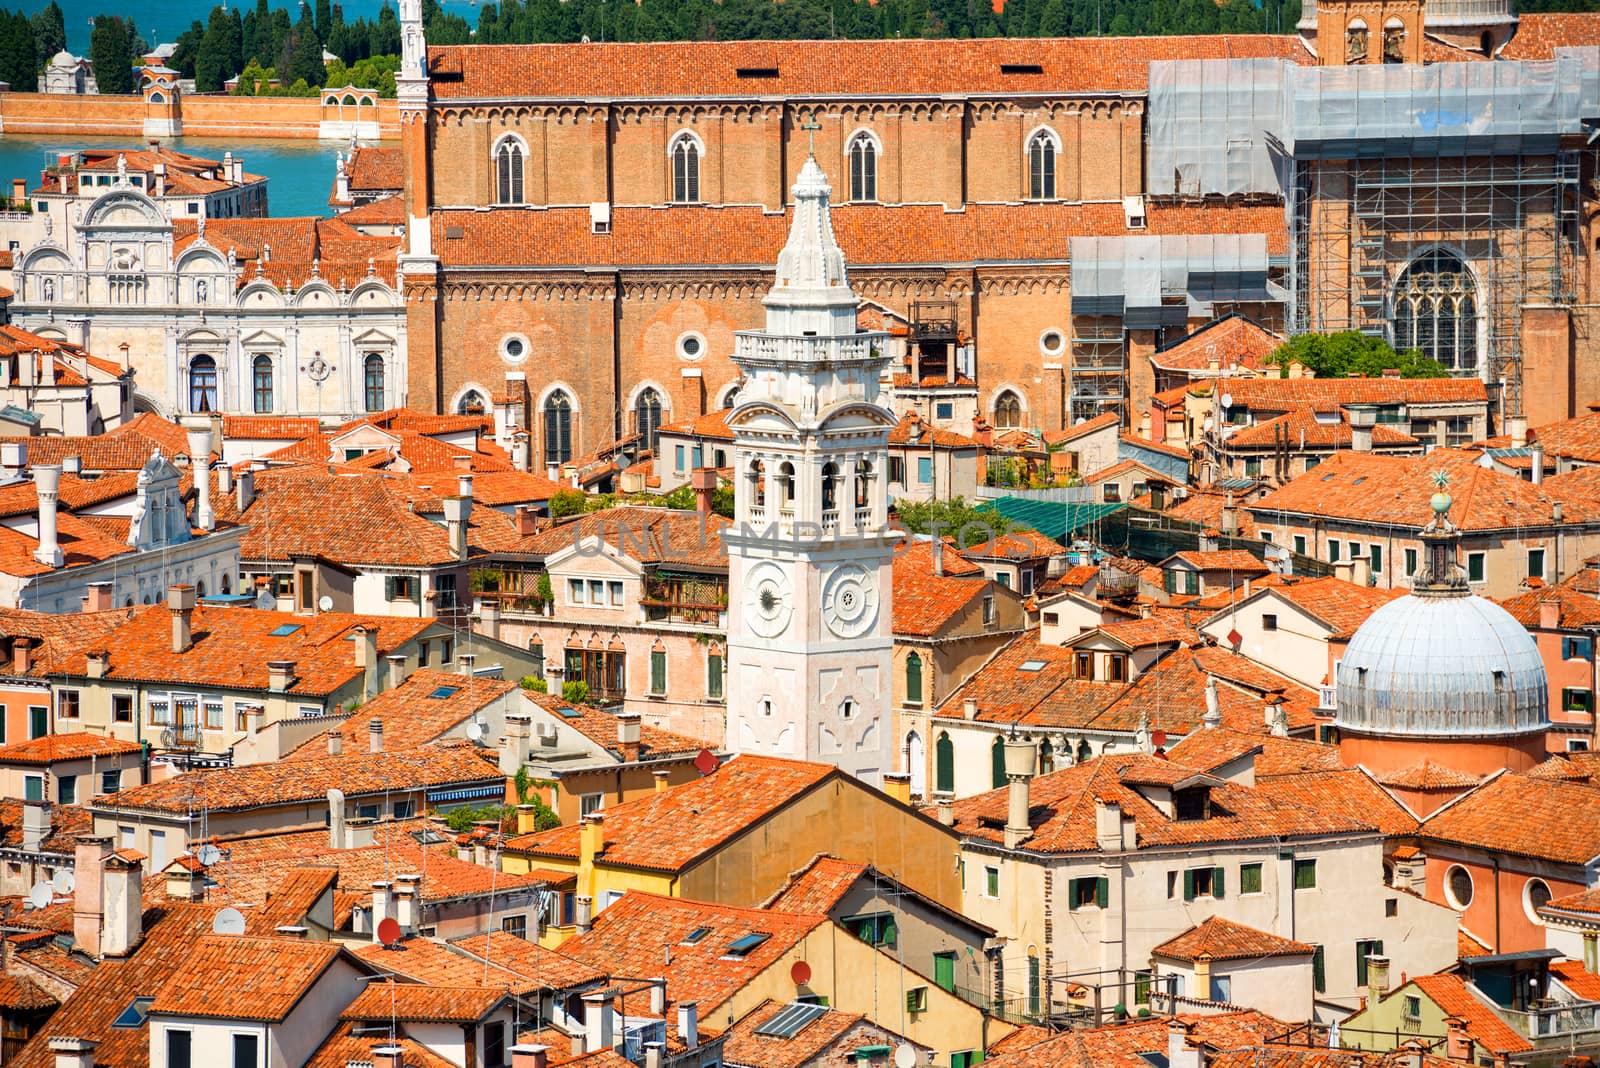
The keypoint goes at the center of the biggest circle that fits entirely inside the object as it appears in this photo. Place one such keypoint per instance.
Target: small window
(1412, 1008)
(1458, 889)
(1475, 567)
(246, 1051)
(404, 810)
(1203, 882)
(658, 671)
(1375, 558)
(1269, 621)
(67, 789)
(714, 677)
(924, 470)
(1089, 893)
(110, 781)
(575, 591)
(1305, 874)
(515, 926)
(1536, 563)
(1577, 648)
(877, 929)
(1249, 878)
(944, 410)
(685, 170)
(67, 704)
(1535, 896)
(1577, 699)
(614, 591)
(1366, 948)
(1333, 551)
(745, 945)
(694, 936)
(1299, 544)
(991, 882)
(588, 804)
(178, 1049)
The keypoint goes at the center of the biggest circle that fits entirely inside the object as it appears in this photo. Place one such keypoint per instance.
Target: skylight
(134, 1015)
(1031, 665)
(791, 1020)
(742, 946)
(569, 713)
(444, 691)
(695, 935)
(283, 630)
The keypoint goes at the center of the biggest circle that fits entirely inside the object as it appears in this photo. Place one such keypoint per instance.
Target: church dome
(1442, 667)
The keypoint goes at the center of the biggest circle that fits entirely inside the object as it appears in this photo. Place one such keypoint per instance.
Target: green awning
(1053, 519)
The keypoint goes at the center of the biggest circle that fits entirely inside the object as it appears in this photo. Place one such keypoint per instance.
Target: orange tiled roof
(1393, 492)
(372, 168)
(1342, 605)
(345, 1046)
(1120, 1045)
(600, 727)
(293, 251)
(671, 829)
(1222, 939)
(1429, 776)
(1556, 820)
(1021, 543)
(654, 535)
(424, 1004)
(292, 781)
(52, 748)
(66, 823)
(290, 901)
(1348, 792)
(425, 960)
(1572, 439)
(743, 1043)
(1306, 431)
(1585, 902)
(871, 235)
(1082, 428)
(21, 994)
(711, 425)
(1484, 1026)
(1235, 339)
(1210, 749)
(1287, 394)
(1585, 984)
(1539, 34)
(1063, 811)
(545, 968)
(384, 211)
(818, 887)
(411, 713)
(824, 68)
(634, 935)
(925, 602)
(268, 427)
(1223, 560)
(929, 435)
(243, 978)
(231, 648)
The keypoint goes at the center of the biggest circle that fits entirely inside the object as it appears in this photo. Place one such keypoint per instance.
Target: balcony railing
(749, 344)
(1555, 1021)
(830, 520)
(692, 613)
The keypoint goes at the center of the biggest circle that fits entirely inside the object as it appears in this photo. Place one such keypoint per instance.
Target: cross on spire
(811, 129)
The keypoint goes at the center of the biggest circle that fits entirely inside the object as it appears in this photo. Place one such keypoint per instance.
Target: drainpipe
(1496, 859)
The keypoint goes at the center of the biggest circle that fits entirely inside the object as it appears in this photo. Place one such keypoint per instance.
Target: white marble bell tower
(809, 556)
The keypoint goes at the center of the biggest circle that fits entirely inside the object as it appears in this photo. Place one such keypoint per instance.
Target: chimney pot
(689, 1024)
(524, 1055)
(47, 484)
(280, 675)
(628, 730)
(388, 1057)
(180, 601)
(375, 735)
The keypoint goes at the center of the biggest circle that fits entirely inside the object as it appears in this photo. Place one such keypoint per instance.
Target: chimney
(88, 855)
(1457, 1043)
(388, 1056)
(938, 555)
(1360, 571)
(527, 1056)
(580, 1044)
(380, 906)
(704, 481)
(1229, 524)
(1550, 614)
(21, 656)
(947, 811)
(280, 675)
(123, 889)
(457, 510)
(525, 818)
(335, 742)
(660, 775)
(526, 519)
(522, 450)
(898, 786)
(335, 803)
(599, 1021)
(652, 1055)
(1377, 979)
(375, 735)
(628, 736)
(47, 368)
(591, 839)
(180, 602)
(366, 651)
(407, 898)
(72, 465)
(185, 885)
(689, 1024)
(585, 913)
(969, 708)
(1536, 462)
(73, 1052)
(1517, 427)
(489, 617)
(13, 458)
(658, 997)
(47, 483)
(101, 597)
(244, 490)
(360, 832)
(1108, 826)
(514, 746)
(35, 824)
(96, 663)
(1022, 756)
(397, 669)
(224, 479)
(1363, 417)
(19, 189)
(465, 662)
(200, 468)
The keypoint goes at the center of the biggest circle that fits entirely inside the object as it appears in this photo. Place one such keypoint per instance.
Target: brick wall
(202, 116)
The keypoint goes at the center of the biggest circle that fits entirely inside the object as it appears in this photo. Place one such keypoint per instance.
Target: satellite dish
(228, 922)
(800, 973)
(389, 931)
(1227, 400)
(41, 895)
(474, 730)
(325, 603)
(208, 855)
(266, 601)
(63, 881)
(905, 1055)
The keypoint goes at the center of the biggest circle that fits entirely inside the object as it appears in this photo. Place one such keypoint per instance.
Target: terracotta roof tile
(670, 829)
(411, 714)
(1347, 792)
(1342, 605)
(345, 1047)
(711, 425)
(1539, 34)
(1306, 431)
(529, 961)
(600, 727)
(268, 427)
(1120, 1046)
(1556, 820)
(384, 211)
(1484, 1026)
(290, 900)
(1585, 902)
(424, 960)
(1288, 394)
(59, 747)
(634, 935)
(372, 168)
(1585, 984)
(1429, 776)
(653, 535)
(416, 1003)
(1210, 749)
(1021, 543)
(1572, 439)
(743, 1043)
(925, 602)
(1222, 939)
(825, 68)
(818, 887)
(1234, 340)
(66, 823)
(21, 994)
(1223, 560)
(243, 978)
(929, 435)
(1082, 429)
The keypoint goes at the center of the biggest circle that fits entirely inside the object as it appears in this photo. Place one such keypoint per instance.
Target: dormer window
(1191, 805)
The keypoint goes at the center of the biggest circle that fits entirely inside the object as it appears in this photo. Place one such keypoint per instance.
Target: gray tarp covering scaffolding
(1221, 127)
(1152, 281)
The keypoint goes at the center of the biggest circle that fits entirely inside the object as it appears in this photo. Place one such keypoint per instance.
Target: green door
(944, 971)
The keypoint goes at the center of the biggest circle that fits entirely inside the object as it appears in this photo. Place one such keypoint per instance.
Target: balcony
(774, 347)
(1556, 1025)
(863, 518)
(830, 521)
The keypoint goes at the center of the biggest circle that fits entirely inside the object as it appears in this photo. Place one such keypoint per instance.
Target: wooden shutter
(1188, 885)
(1102, 892)
(1217, 884)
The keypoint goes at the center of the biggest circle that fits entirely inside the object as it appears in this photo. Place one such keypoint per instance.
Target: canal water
(299, 172)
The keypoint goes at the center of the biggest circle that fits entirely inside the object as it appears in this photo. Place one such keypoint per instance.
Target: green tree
(221, 52)
(49, 33)
(1054, 23)
(953, 518)
(19, 56)
(186, 54)
(306, 63)
(111, 53)
(1351, 352)
(575, 691)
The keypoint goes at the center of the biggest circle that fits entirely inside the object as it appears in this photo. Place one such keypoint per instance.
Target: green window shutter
(388, 587)
(1102, 892)
(944, 971)
(944, 776)
(1218, 886)
(888, 931)
(1319, 980)
(914, 679)
(658, 671)
(1188, 885)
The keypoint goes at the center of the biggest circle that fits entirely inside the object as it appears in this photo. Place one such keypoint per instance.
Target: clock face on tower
(850, 601)
(767, 599)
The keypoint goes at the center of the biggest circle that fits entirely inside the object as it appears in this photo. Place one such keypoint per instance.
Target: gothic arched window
(1007, 411)
(647, 417)
(944, 764)
(1436, 311)
(261, 381)
(508, 172)
(685, 170)
(863, 483)
(1042, 167)
(557, 429)
(830, 487)
(863, 168)
(786, 485)
(758, 484)
(372, 380)
(914, 679)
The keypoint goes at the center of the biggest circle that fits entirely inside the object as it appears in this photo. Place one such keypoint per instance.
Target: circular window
(1458, 887)
(514, 348)
(691, 346)
(1052, 342)
(1535, 896)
